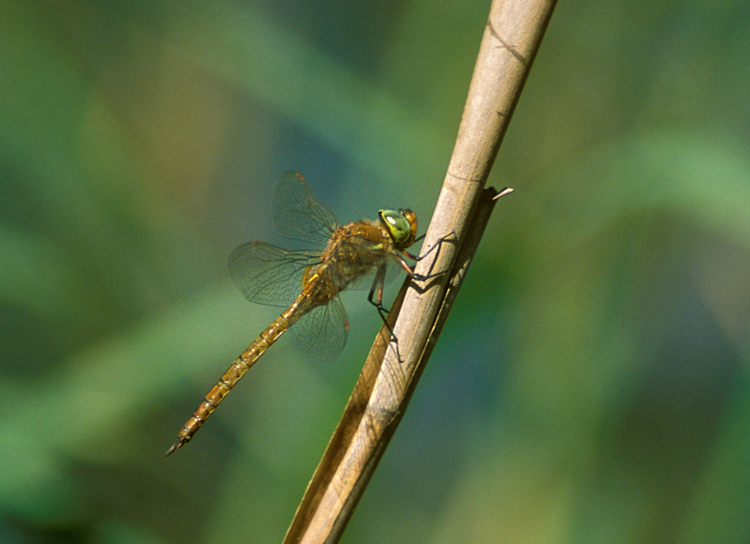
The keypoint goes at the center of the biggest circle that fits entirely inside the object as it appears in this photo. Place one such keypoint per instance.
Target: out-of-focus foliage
(592, 384)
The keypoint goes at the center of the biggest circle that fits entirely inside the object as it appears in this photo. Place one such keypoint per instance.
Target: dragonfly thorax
(354, 250)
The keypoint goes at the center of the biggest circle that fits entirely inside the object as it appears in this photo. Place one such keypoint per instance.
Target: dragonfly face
(307, 283)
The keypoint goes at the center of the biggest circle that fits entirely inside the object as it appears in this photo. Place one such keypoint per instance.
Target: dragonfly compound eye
(398, 226)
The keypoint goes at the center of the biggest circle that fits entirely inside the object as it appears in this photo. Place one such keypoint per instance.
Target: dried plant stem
(511, 39)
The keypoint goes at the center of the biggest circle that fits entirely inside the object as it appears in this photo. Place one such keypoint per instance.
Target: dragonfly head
(401, 225)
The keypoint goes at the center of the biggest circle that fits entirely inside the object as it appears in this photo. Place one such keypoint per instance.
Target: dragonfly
(356, 255)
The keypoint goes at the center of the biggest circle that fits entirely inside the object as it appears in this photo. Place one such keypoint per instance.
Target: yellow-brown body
(354, 250)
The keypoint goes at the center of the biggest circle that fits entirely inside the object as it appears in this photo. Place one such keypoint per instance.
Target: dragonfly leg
(450, 237)
(376, 299)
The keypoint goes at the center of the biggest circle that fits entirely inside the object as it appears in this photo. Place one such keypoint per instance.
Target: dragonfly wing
(267, 274)
(296, 213)
(322, 331)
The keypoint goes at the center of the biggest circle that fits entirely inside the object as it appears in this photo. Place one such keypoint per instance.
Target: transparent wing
(322, 331)
(296, 213)
(267, 274)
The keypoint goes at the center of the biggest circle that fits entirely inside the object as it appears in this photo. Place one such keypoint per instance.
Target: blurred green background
(593, 381)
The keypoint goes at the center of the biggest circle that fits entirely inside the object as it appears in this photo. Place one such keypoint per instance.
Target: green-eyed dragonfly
(359, 254)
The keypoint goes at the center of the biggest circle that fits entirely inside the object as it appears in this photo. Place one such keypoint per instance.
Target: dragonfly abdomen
(236, 371)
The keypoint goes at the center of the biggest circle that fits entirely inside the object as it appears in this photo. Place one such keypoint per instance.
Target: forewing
(296, 213)
(267, 274)
(322, 331)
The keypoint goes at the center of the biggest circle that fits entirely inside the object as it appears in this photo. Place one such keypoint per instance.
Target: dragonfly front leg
(450, 237)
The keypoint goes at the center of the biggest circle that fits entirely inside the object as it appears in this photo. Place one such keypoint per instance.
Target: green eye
(399, 225)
